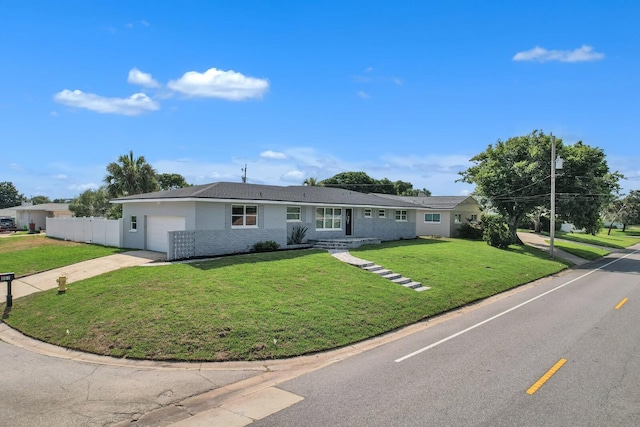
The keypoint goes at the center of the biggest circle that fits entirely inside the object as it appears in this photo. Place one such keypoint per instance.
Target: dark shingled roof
(429, 202)
(255, 192)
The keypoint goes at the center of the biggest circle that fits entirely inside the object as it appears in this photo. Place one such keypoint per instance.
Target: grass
(269, 305)
(585, 252)
(617, 239)
(28, 254)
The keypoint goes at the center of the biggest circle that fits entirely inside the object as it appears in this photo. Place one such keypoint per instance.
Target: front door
(348, 221)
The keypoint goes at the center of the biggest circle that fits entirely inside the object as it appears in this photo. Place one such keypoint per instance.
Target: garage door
(157, 228)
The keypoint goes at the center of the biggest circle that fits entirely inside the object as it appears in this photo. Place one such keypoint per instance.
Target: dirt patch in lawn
(18, 243)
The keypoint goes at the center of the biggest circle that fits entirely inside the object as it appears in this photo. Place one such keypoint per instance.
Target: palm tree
(312, 182)
(130, 176)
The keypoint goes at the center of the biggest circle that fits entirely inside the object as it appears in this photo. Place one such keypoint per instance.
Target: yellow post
(62, 283)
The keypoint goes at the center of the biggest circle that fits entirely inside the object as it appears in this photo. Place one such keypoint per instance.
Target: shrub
(496, 232)
(297, 235)
(470, 231)
(266, 246)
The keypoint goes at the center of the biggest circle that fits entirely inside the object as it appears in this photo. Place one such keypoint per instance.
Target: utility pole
(244, 173)
(552, 222)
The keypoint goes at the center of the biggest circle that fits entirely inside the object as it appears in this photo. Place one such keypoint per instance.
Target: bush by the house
(266, 246)
(496, 232)
(297, 235)
(470, 231)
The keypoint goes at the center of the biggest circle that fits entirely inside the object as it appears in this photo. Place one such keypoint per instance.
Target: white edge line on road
(450, 337)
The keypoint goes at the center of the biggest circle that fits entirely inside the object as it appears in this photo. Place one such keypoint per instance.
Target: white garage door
(157, 228)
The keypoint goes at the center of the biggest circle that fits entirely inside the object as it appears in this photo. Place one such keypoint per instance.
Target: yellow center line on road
(546, 376)
(621, 303)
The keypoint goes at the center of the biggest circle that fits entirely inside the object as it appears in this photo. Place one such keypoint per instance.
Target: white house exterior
(441, 215)
(38, 214)
(224, 218)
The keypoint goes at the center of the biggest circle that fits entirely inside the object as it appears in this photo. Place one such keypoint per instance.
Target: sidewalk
(539, 241)
(82, 270)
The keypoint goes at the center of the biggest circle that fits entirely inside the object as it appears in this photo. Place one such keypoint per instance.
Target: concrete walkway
(539, 241)
(82, 270)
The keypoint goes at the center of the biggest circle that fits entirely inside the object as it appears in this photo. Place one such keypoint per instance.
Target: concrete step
(367, 265)
(401, 280)
(392, 276)
(372, 268)
(382, 272)
(412, 285)
(421, 288)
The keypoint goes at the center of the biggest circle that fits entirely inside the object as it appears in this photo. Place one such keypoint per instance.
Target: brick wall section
(198, 243)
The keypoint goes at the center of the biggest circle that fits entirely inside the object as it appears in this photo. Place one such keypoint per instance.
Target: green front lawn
(583, 251)
(269, 305)
(28, 254)
(617, 239)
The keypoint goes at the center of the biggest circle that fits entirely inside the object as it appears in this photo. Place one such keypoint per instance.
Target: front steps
(345, 243)
(345, 256)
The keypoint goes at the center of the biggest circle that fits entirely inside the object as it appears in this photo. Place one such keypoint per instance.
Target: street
(476, 369)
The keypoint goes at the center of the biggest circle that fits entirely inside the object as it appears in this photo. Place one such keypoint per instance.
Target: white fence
(100, 231)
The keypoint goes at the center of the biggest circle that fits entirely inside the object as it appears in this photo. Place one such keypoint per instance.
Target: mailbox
(8, 277)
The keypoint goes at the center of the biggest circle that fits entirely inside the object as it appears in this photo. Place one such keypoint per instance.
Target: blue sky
(407, 90)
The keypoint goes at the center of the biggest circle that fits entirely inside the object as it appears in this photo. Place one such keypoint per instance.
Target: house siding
(137, 239)
(208, 230)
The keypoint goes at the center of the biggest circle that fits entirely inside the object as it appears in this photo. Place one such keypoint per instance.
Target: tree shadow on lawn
(529, 251)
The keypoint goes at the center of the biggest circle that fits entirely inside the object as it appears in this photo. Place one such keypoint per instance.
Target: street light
(555, 163)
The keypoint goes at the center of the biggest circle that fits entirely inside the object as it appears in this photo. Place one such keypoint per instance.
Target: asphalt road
(477, 368)
(38, 390)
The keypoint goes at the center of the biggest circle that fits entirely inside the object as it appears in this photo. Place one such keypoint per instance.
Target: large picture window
(328, 219)
(432, 217)
(293, 213)
(244, 216)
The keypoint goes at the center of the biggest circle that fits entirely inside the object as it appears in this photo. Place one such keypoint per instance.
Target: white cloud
(136, 104)
(539, 54)
(137, 77)
(145, 23)
(363, 95)
(368, 69)
(215, 83)
(83, 187)
(397, 81)
(61, 176)
(273, 155)
(295, 177)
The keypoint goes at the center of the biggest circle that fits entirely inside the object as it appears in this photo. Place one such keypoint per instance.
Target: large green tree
(363, 183)
(39, 200)
(624, 210)
(354, 181)
(129, 176)
(171, 181)
(9, 195)
(585, 186)
(513, 177)
(91, 203)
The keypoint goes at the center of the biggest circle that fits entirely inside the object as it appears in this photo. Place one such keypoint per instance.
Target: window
(368, 213)
(293, 213)
(474, 218)
(382, 213)
(401, 215)
(432, 217)
(134, 223)
(244, 216)
(328, 218)
(457, 218)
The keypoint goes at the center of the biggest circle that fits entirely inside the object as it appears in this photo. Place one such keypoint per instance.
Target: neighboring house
(38, 214)
(441, 215)
(8, 212)
(225, 217)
